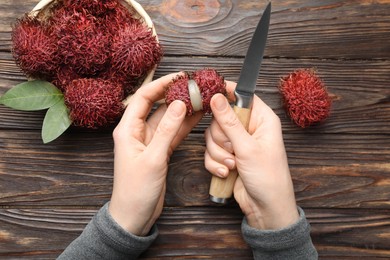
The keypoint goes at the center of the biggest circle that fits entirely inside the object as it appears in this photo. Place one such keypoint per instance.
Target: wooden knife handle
(221, 189)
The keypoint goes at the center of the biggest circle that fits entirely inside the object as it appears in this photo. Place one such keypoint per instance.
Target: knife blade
(221, 190)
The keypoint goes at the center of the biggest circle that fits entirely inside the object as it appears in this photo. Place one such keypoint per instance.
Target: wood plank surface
(359, 88)
(298, 28)
(185, 232)
(344, 172)
(340, 169)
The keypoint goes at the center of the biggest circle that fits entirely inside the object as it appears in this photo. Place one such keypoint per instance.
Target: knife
(221, 190)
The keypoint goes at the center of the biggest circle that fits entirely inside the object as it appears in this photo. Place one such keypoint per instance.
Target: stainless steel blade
(246, 84)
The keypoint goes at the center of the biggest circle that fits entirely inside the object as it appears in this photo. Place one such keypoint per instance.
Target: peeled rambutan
(134, 50)
(305, 97)
(209, 83)
(94, 103)
(34, 48)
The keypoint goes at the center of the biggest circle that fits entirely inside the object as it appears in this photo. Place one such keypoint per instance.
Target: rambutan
(129, 84)
(94, 51)
(94, 7)
(305, 97)
(84, 46)
(63, 77)
(34, 48)
(94, 103)
(135, 51)
(115, 19)
(177, 89)
(208, 81)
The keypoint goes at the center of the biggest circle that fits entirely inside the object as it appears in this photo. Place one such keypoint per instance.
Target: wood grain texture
(359, 88)
(185, 233)
(297, 28)
(346, 171)
(326, 29)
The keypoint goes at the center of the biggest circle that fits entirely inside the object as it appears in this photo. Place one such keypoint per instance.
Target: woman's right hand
(264, 188)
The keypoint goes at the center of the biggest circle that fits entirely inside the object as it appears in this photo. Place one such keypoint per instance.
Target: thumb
(167, 129)
(228, 121)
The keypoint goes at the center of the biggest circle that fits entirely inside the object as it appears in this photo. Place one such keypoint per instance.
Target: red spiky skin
(95, 7)
(305, 97)
(63, 77)
(209, 81)
(135, 51)
(94, 103)
(117, 18)
(34, 48)
(88, 38)
(177, 89)
(98, 40)
(83, 45)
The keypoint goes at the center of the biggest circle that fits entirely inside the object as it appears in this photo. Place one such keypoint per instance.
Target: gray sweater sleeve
(291, 243)
(103, 238)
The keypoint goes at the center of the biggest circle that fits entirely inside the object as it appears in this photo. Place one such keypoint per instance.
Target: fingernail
(176, 108)
(230, 163)
(220, 102)
(222, 172)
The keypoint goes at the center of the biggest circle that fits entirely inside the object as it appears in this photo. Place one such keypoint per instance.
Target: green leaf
(32, 95)
(56, 121)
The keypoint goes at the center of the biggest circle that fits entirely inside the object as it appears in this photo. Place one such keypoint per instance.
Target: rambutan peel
(177, 89)
(94, 103)
(209, 83)
(305, 97)
(34, 48)
(135, 50)
(83, 45)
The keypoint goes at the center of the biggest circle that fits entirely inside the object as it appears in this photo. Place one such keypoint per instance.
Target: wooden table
(341, 169)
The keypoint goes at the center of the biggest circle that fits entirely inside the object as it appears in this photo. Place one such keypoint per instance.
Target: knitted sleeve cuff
(293, 241)
(104, 238)
(118, 238)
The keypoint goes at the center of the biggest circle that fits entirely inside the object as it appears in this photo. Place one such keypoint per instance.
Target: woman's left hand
(143, 147)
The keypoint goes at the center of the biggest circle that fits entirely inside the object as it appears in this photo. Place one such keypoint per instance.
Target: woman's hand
(142, 150)
(264, 188)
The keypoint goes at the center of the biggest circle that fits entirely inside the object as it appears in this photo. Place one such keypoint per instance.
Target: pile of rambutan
(95, 51)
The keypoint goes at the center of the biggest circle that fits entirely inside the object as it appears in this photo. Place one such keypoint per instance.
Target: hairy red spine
(209, 81)
(83, 43)
(135, 51)
(94, 103)
(34, 48)
(177, 89)
(305, 97)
